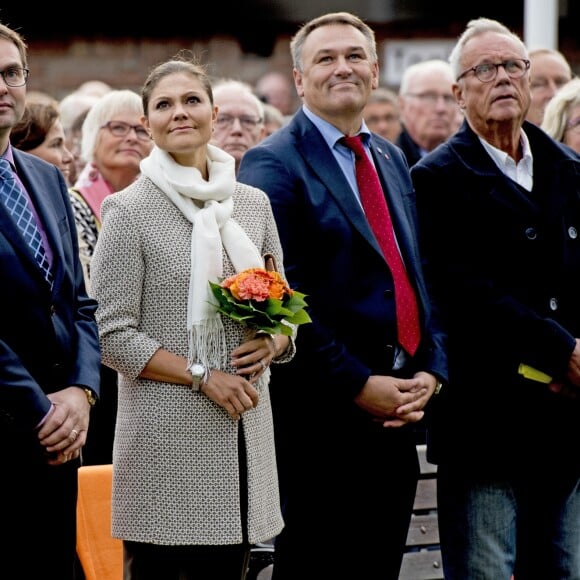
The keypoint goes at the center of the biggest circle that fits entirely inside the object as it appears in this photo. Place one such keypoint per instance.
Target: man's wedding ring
(74, 434)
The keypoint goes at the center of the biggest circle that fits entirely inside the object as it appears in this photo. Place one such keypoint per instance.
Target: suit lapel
(467, 147)
(316, 153)
(395, 193)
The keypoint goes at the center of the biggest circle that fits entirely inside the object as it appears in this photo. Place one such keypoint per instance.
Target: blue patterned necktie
(18, 206)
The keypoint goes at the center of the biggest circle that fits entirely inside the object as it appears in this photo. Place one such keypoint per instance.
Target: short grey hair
(103, 111)
(474, 28)
(242, 88)
(543, 50)
(426, 66)
(297, 42)
(72, 106)
(384, 95)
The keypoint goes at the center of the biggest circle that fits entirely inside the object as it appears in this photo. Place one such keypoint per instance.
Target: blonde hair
(557, 113)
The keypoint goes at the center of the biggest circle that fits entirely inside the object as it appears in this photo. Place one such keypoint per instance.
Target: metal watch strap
(90, 397)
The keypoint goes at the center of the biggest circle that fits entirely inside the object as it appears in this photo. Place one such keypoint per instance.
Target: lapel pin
(385, 155)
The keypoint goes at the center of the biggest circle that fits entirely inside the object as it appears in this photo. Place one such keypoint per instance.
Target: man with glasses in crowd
(240, 121)
(499, 207)
(49, 348)
(428, 108)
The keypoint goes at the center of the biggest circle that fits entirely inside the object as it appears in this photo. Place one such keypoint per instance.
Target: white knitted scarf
(213, 230)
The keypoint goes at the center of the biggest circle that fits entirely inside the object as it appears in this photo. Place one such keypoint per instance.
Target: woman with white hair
(114, 141)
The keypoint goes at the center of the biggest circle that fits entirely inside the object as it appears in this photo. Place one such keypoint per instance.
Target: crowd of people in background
(138, 197)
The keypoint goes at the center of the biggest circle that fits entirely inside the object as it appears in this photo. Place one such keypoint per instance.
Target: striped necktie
(377, 214)
(18, 206)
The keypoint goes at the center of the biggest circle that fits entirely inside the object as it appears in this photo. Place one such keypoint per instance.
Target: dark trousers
(347, 498)
(38, 520)
(151, 562)
(98, 449)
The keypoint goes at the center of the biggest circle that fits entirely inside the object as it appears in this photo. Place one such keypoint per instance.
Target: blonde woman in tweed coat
(195, 480)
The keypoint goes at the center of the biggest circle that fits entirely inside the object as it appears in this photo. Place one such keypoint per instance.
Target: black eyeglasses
(485, 72)
(246, 121)
(121, 129)
(15, 76)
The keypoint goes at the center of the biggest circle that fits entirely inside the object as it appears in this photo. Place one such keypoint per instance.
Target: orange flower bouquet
(260, 299)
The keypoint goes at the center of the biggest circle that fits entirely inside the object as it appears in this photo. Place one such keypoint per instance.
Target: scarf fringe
(207, 344)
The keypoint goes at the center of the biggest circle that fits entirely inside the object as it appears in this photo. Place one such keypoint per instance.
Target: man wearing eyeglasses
(49, 348)
(240, 121)
(428, 108)
(499, 207)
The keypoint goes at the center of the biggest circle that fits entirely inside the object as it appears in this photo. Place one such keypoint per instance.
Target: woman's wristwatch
(197, 371)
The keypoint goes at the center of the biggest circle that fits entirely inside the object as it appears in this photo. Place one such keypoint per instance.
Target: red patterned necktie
(377, 213)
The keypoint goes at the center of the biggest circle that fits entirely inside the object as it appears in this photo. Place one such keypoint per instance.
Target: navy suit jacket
(331, 255)
(506, 273)
(48, 338)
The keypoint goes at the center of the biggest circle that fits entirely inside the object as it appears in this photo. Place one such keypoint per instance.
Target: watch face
(197, 370)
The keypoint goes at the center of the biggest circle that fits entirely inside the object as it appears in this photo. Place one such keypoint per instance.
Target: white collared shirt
(522, 172)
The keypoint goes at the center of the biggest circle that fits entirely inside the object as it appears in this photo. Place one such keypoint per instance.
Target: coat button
(572, 232)
(531, 233)
(553, 304)
(52, 309)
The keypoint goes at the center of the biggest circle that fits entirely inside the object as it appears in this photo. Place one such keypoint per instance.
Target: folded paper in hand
(534, 374)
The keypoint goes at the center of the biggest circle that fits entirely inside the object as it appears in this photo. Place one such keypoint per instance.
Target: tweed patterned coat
(176, 465)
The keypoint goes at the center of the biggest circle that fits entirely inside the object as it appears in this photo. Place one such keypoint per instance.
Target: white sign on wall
(399, 54)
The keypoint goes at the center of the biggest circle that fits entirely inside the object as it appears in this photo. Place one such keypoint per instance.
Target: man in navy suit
(499, 205)
(49, 355)
(345, 407)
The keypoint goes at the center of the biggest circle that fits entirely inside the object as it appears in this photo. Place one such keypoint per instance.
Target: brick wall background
(59, 67)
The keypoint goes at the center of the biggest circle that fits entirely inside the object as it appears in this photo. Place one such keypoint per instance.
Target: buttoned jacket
(331, 254)
(176, 476)
(505, 263)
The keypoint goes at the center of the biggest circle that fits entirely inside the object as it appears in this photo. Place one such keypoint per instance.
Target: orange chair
(100, 555)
